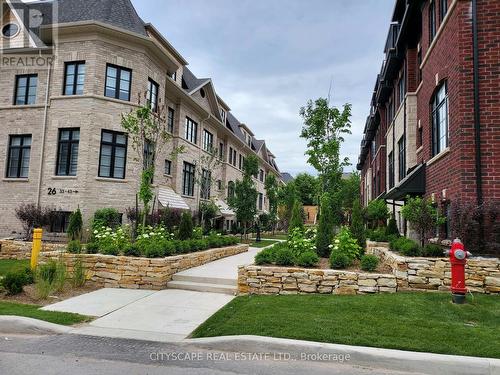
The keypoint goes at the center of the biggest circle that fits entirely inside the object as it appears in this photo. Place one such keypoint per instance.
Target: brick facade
(91, 112)
(426, 64)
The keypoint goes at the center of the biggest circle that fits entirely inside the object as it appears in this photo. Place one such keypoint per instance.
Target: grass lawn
(9, 265)
(275, 237)
(263, 243)
(425, 322)
(32, 311)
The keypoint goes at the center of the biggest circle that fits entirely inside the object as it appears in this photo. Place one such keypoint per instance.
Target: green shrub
(132, 250)
(392, 228)
(339, 260)
(109, 249)
(75, 225)
(369, 263)
(14, 282)
(357, 227)
(50, 277)
(377, 212)
(432, 250)
(74, 247)
(308, 259)
(266, 256)
(346, 244)
(410, 248)
(92, 248)
(326, 226)
(106, 217)
(296, 222)
(377, 235)
(186, 227)
(284, 256)
(79, 274)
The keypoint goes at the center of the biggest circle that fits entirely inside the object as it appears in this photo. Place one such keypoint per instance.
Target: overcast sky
(267, 58)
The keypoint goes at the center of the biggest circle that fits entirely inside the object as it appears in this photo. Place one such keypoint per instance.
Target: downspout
(477, 116)
(44, 129)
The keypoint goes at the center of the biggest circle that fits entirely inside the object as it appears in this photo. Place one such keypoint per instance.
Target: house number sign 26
(54, 191)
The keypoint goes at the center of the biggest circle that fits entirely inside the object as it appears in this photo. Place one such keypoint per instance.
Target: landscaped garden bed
(425, 322)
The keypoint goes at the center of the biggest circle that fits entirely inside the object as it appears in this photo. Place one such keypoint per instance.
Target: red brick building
(434, 124)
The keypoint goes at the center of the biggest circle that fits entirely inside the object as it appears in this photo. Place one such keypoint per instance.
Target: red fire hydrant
(458, 259)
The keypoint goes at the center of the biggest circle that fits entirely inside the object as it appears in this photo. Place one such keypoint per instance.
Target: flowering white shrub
(300, 242)
(111, 241)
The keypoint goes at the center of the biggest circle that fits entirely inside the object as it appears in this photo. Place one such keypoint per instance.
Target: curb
(18, 325)
(389, 359)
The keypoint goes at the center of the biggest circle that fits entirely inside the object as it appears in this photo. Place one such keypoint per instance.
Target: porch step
(204, 279)
(202, 287)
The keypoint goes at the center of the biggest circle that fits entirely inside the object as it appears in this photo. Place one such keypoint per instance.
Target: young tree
(75, 225)
(186, 227)
(287, 195)
(377, 212)
(207, 172)
(326, 226)
(357, 225)
(148, 135)
(297, 220)
(307, 189)
(244, 201)
(422, 216)
(271, 186)
(350, 193)
(324, 129)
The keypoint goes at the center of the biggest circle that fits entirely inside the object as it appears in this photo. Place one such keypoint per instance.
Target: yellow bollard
(37, 246)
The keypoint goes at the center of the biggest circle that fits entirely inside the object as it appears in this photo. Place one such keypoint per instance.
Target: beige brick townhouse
(61, 140)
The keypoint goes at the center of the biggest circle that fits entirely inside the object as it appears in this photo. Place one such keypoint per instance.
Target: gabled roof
(234, 125)
(258, 143)
(119, 13)
(286, 177)
(190, 82)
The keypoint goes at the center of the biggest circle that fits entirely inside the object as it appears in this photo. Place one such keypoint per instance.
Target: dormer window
(223, 115)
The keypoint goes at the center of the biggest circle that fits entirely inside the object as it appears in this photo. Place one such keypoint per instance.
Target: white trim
(439, 156)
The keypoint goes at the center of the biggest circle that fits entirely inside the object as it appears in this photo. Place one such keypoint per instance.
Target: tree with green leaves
(350, 192)
(377, 213)
(422, 216)
(207, 172)
(148, 135)
(186, 227)
(326, 226)
(324, 129)
(271, 186)
(307, 189)
(287, 195)
(244, 200)
(75, 225)
(357, 223)
(297, 220)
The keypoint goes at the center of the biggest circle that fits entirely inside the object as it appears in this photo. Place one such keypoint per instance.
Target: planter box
(482, 275)
(139, 273)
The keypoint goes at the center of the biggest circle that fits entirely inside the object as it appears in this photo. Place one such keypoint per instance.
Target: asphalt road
(75, 354)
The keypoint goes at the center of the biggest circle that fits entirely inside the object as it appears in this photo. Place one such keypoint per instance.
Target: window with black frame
(26, 86)
(261, 201)
(188, 179)
(168, 167)
(208, 140)
(206, 182)
(59, 221)
(170, 120)
(74, 78)
(440, 119)
(67, 152)
(402, 157)
(118, 82)
(443, 9)
(113, 154)
(391, 170)
(18, 158)
(153, 89)
(191, 131)
(230, 189)
(432, 21)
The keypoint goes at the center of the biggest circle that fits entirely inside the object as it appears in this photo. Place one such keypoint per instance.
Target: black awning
(413, 184)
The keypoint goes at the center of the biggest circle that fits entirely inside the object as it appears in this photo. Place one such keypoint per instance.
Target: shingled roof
(119, 13)
(190, 81)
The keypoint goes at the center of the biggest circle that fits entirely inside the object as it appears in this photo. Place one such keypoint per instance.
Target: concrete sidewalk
(166, 316)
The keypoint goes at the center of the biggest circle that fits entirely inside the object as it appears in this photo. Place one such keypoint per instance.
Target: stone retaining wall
(283, 280)
(19, 250)
(417, 273)
(139, 273)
